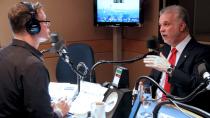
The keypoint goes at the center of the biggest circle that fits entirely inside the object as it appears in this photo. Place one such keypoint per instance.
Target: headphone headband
(30, 7)
(32, 25)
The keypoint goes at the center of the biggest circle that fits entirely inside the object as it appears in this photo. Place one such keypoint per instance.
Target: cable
(176, 103)
(173, 102)
(184, 99)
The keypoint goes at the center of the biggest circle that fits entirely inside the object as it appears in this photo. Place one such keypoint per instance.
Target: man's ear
(183, 26)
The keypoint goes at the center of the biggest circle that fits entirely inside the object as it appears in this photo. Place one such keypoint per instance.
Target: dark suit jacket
(185, 77)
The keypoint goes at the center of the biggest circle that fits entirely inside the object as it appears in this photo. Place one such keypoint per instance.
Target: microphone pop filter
(152, 43)
(202, 69)
(54, 37)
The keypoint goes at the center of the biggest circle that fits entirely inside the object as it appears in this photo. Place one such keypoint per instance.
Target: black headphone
(32, 25)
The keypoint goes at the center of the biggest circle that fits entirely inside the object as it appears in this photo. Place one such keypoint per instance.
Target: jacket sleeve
(36, 96)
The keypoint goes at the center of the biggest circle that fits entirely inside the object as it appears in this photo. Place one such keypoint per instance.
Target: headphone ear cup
(33, 26)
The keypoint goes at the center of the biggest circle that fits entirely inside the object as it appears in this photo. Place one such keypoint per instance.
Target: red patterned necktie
(172, 60)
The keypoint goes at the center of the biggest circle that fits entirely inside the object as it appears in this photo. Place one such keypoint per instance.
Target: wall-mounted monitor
(117, 13)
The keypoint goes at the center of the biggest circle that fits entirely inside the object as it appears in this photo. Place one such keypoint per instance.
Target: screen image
(117, 12)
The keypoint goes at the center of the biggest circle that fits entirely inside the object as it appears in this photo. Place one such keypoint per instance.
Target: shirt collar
(180, 47)
(35, 52)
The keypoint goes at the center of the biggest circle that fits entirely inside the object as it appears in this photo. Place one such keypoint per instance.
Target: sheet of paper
(90, 92)
(62, 90)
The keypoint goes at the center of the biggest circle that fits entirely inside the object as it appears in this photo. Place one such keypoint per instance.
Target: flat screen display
(117, 13)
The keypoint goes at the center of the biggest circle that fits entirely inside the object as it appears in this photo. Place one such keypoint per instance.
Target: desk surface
(166, 111)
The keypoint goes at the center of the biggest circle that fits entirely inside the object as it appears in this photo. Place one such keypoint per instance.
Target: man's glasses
(45, 21)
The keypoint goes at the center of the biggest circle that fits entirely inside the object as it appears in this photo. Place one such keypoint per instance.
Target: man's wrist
(169, 71)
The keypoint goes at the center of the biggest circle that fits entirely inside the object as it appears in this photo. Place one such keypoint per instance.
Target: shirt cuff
(58, 112)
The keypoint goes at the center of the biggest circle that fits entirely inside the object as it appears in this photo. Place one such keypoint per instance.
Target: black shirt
(24, 82)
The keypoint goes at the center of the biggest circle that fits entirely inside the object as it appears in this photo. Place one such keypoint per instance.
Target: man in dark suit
(175, 69)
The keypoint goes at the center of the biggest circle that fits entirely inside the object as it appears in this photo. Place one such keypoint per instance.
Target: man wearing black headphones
(23, 77)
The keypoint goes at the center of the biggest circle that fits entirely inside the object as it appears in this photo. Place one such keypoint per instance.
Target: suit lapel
(185, 53)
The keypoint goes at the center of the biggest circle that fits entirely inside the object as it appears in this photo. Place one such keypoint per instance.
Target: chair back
(78, 53)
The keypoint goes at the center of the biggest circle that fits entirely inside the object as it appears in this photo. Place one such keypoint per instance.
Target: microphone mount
(81, 67)
(66, 59)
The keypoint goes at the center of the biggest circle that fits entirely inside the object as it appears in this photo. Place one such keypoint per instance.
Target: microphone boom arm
(119, 62)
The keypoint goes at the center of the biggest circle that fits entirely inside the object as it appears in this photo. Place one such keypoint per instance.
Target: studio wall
(73, 20)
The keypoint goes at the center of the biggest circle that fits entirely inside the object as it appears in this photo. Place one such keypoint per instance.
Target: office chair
(78, 53)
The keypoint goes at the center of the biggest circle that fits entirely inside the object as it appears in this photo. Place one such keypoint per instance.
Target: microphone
(152, 44)
(54, 38)
(202, 70)
(59, 47)
(57, 44)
